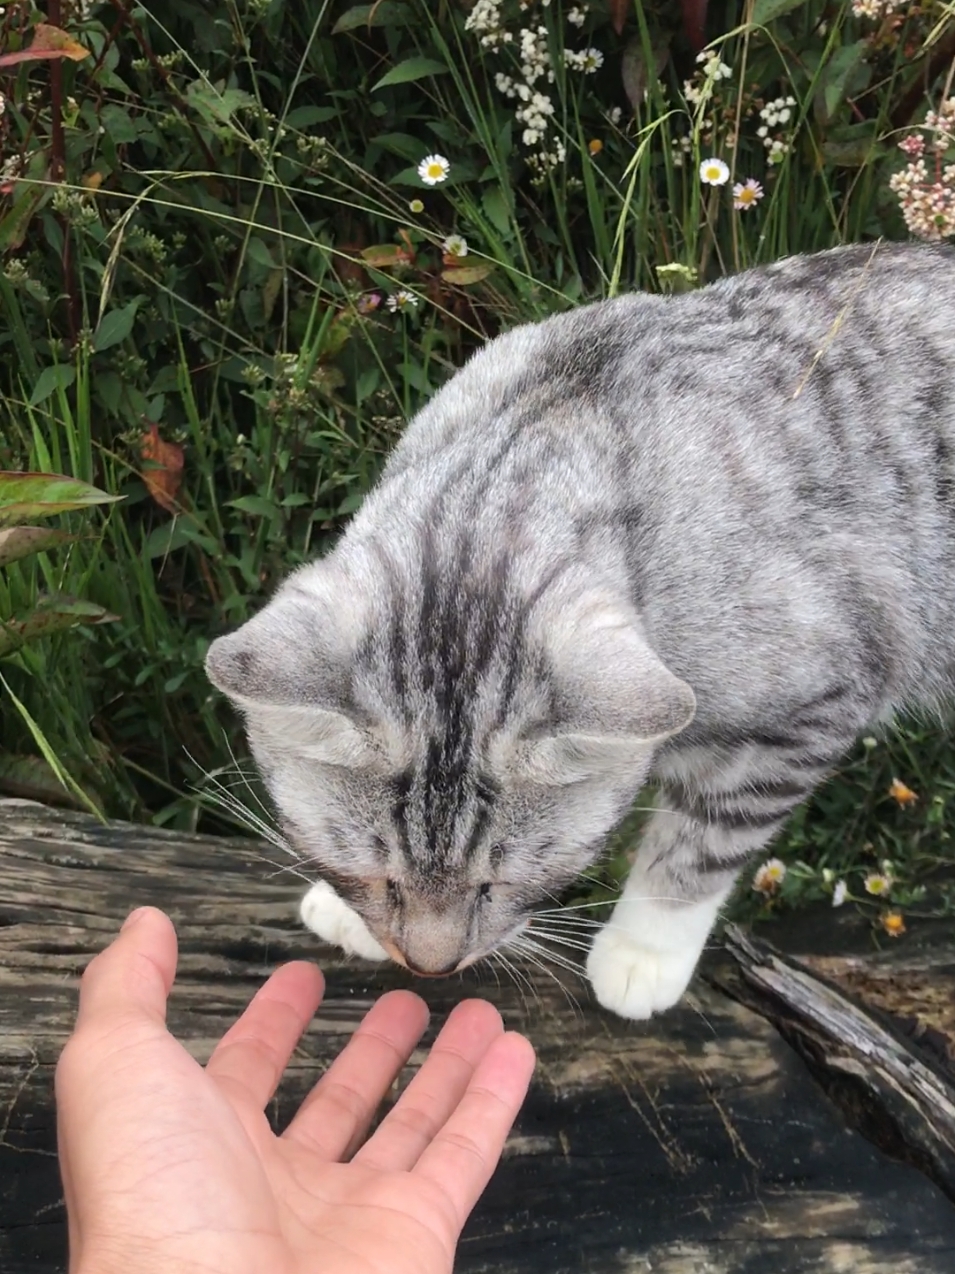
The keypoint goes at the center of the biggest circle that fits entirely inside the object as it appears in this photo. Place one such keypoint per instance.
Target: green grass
(235, 192)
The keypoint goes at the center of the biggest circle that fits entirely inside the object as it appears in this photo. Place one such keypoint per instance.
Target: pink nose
(431, 973)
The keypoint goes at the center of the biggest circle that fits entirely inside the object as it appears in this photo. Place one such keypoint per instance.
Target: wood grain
(696, 1143)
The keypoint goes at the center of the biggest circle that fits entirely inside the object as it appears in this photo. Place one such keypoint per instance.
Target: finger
(135, 973)
(465, 1152)
(335, 1115)
(249, 1060)
(435, 1091)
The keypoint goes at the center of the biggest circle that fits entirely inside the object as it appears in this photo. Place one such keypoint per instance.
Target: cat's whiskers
(530, 952)
(221, 795)
(518, 977)
(282, 868)
(526, 944)
(559, 940)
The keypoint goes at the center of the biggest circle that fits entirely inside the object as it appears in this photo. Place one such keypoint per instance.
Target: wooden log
(695, 1143)
(892, 1073)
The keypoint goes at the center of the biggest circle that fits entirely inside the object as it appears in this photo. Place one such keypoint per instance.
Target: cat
(704, 540)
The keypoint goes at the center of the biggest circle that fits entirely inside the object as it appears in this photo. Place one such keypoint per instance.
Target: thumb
(135, 973)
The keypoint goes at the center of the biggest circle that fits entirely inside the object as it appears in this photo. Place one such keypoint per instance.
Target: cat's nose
(431, 973)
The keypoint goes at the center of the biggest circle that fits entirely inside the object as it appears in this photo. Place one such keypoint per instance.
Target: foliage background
(201, 222)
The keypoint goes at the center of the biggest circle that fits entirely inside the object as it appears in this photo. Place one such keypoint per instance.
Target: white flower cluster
(712, 70)
(485, 21)
(928, 201)
(535, 107)
(773, 114)
(587, 60)
(875, 10)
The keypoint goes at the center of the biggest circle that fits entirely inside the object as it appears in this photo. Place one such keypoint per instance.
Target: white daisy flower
(713, 172)
(839, 893)
(769, 876)
(433, 169)
(402, 300)
(746, 194)
(455, 245)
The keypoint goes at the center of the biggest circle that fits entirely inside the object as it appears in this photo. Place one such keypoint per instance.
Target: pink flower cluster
(927, 198)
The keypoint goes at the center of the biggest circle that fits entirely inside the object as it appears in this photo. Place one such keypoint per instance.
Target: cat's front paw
(333, 920)
(635, 981)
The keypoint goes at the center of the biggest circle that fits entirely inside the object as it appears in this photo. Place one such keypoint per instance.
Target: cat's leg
(691, 852)
(327, 915)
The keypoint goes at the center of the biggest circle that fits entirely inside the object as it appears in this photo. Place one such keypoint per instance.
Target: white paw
(635, 981)
(333, 920)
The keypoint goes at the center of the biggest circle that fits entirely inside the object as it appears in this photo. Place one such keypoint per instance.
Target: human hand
(171, 1166)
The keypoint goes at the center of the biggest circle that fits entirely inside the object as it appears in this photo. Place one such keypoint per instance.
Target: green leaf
(257, 505)
(115, 326)
(765, 11)
(306, 116)
(259, 253)
(852, 146)
(845, 74)
(497, 209)
(217, 106)
(34, 779)
(386, 13)
(25, 496)
(401, 144)
(50, 380)
(175, 534)
(50, 615)
(52, 760)
(464, 274)
(21, 541)
(119, 124)
(417, 68)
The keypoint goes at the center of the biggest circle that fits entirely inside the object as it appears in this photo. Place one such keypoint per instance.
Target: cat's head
(447, 766)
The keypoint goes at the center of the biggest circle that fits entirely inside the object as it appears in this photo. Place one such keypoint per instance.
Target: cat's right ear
(288, 669)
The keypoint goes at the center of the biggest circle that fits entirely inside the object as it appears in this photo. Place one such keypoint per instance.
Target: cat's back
(824, 369)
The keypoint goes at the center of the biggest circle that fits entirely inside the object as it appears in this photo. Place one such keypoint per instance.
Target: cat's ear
(615, 699)
(288, 669)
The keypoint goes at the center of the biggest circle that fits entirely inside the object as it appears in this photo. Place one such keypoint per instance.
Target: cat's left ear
(615, 698)
(288, 668)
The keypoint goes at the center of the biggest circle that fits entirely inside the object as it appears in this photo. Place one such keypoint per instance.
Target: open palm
(169, 1165)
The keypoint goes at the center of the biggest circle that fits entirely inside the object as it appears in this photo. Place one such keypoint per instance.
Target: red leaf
(618, 13)
(694, 22)
(48, 42)
(164, 472)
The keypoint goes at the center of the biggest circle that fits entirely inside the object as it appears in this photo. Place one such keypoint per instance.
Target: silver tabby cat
(704, 540)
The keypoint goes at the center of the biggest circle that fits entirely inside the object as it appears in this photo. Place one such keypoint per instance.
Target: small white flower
(615, 116)
(402, 300)
(433, 169)
(746, 194)
(713, 172)
(839, 893)
(878, 883)
(769, 876)
(592, 60)
(577, 16)
(455, 245)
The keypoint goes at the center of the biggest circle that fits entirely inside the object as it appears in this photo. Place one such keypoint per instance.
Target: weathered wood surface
(878, 1030)
(698, 1144)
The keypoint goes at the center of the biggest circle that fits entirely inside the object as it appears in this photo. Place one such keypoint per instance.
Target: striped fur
(703, 539)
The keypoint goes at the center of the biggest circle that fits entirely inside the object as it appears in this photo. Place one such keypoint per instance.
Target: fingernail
(134, 917)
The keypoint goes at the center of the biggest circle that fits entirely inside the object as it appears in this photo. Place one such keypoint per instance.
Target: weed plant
(242, 243)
